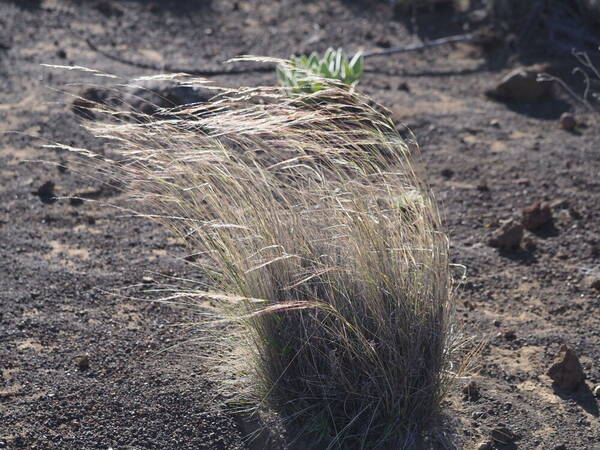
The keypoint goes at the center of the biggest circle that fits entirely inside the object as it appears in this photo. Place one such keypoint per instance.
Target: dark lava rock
(536, 216)
(148, 97)
(592, 282)
(521, 85)
(510, 334)
(567, 122)
(529, 244)
(447, 173)
(471, 392)
(46, 192)
(91, 98)
(566, 372)
(383, 42)
(501, 434)
(508, 236)
(142, 97)
(83, 362)
(403, 86)
(109, 9)
(485, 445)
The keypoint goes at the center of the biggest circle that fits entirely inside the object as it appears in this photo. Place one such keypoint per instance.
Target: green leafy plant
(303, 72)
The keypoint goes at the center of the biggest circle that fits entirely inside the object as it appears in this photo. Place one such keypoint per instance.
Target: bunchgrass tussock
(324, 249)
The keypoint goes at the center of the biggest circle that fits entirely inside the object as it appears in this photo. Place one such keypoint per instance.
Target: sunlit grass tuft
(324, 248)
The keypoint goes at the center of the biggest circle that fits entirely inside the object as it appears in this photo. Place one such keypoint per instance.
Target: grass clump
(324, 248)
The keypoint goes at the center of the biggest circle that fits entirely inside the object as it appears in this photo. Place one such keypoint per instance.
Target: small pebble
(529, 243)
(477, 415)
(592, 282)
(403, 86)
(568, 122)
(508, 236)
(510, 334)
(83, 362)
(566, 372)
(536, 216)
(484, 445)
(471, 391)
(447, 173)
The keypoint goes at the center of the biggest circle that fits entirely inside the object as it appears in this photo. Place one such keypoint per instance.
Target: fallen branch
(425, 45)
(174, 69)
(233, 71)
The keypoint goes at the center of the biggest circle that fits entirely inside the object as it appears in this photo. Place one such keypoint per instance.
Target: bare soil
(63, 264)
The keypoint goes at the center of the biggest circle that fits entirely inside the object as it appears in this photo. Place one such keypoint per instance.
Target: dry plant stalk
(323, 245)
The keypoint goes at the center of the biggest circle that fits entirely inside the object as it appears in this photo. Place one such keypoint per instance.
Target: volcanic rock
(46, 192)
(566, 372)
(536, 216)
(83, 362)
(521, 85)
(567, 121)
(508, 236)
(592, 282)
(501, 434)
(485, 445)
(148, 97)
(471, 391)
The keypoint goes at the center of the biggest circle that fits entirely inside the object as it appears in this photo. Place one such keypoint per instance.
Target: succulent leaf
(334, 64)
